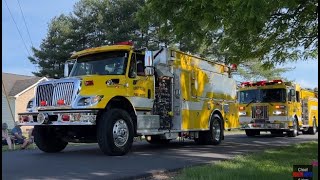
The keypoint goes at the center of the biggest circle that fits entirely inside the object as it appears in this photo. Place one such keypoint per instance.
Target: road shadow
(88, 162)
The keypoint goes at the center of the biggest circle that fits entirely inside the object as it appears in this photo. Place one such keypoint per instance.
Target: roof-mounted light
(246, 83)
(130, 43)
(279, 81)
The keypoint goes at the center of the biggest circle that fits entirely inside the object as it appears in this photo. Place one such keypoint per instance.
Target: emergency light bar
(125, 43)
(261, 83)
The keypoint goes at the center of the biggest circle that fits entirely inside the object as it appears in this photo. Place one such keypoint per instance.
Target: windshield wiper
(253, 100)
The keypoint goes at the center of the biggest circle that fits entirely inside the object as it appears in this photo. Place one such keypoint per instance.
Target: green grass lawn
(271, 164)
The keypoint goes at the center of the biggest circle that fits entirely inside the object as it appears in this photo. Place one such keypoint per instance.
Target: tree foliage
(255, 70)
(231, 31)
(55, 48)
(92, 23)
(241, 30)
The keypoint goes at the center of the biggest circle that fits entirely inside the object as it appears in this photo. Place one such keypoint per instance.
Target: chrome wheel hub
(295, 127)
(120, 133)
(216, 130)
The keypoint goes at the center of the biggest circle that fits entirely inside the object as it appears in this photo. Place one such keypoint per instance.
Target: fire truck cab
(278, 107)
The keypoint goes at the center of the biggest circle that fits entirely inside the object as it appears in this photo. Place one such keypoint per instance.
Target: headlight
(89, 100)
(279, 112)
(242, 113)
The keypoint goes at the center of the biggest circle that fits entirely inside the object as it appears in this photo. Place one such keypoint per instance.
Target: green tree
(239, 30)
(92, 23)
(254, 70)
(55, 48)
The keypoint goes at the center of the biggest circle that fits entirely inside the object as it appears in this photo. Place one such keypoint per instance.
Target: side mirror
(148, 58)
(66, 67)
(148, 62)
(66, 70)
(292, 92)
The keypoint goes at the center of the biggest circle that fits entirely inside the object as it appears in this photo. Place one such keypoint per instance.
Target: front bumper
(60, 117)
(273, 123)
(268, 126)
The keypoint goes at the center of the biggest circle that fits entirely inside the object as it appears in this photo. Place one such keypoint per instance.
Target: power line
(17, 28)
(19, 31)
(25, 23)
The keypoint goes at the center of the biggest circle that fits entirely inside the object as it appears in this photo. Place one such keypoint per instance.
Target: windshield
(262, 95)
(106, 63)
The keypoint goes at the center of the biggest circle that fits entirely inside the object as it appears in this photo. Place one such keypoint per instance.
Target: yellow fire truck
(114, 93)
(278, 107)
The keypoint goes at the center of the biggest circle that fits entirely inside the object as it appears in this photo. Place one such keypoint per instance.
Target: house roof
(15, 83)
(21, 85)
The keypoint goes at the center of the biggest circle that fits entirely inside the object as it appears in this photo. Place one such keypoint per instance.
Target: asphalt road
(87, 162)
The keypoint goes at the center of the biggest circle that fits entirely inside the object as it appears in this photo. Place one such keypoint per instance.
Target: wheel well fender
(121, 102)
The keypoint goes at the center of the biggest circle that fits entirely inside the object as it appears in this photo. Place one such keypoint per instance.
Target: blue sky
(39, 13)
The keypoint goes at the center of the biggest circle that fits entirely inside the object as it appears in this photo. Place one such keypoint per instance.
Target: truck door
(294, 104)
(141, 87)
(298, 107)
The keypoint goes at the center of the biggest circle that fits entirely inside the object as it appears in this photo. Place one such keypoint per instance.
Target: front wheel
(295, 130)
(115, 132)
(47, 141)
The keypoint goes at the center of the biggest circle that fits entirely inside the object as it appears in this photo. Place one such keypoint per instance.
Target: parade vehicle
(117, 92)
(278, 107)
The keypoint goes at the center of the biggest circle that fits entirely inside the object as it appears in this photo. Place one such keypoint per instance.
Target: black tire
(46, 139)
(105, 132)
(155, 139)
(252, 132)
(313, 129)
(214, 136)
(295, 132)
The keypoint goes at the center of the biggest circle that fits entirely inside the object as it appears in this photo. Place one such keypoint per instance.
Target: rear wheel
(155, 139)
(214, 135)
(115, 132)
(313, 129)
(47, 141)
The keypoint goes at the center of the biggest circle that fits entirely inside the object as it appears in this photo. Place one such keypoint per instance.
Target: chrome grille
(44, 93)
(260, 112)
(51, 93)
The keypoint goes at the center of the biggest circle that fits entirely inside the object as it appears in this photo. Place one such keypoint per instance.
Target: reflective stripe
(141, 102)
(189, 105)
(314, 108)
